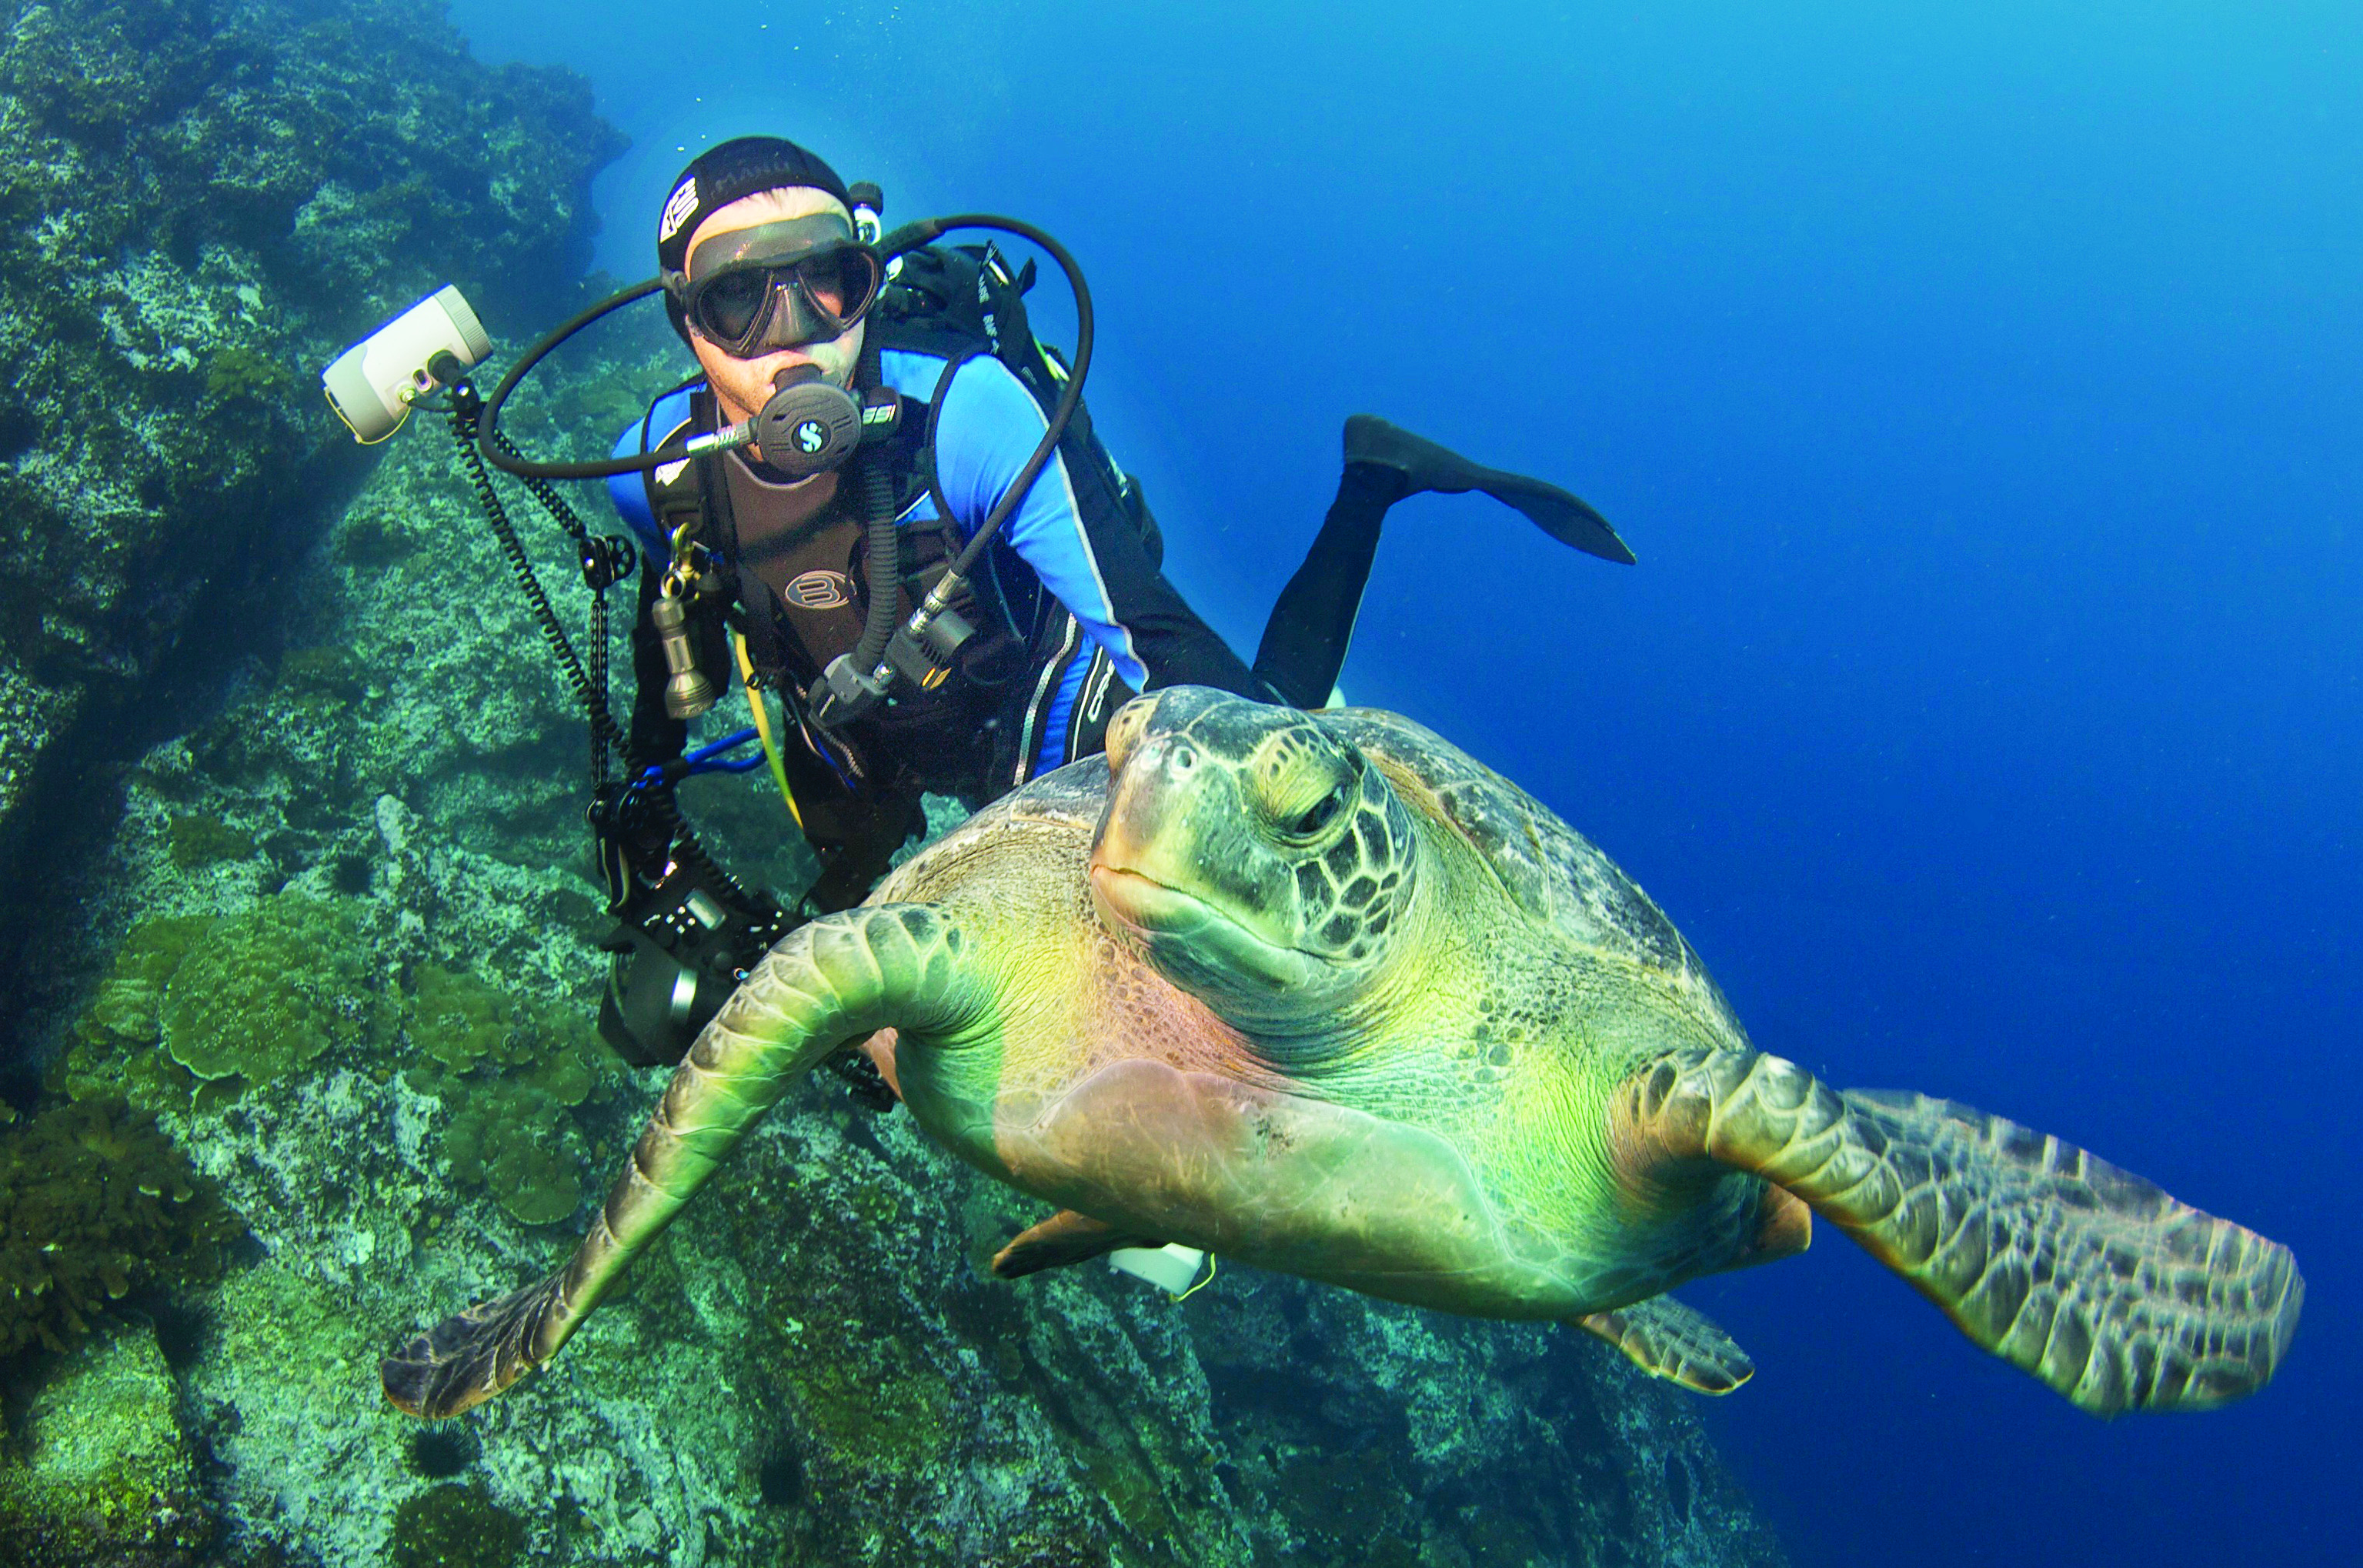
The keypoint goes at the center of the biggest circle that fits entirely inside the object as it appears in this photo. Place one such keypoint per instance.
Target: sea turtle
(1320, 993)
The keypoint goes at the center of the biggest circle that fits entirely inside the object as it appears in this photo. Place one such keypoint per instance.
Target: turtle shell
(1551, 871)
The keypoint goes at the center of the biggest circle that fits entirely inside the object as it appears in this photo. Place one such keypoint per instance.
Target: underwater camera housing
(677, 952)
(373, 384)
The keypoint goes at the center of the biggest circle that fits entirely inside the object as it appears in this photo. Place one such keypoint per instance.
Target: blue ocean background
(1978, 387)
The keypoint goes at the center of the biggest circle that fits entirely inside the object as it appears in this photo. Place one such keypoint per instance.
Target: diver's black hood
(721, 175)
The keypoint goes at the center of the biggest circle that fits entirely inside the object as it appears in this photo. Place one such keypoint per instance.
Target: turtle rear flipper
(1065, 1238)
(1665, 1339)
(2088, 1277)
(470, 1356)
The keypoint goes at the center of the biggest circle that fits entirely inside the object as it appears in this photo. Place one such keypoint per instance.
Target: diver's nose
(1124, 731)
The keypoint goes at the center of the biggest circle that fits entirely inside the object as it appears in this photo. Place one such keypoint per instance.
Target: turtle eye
(1124, 730)
(1319, 815)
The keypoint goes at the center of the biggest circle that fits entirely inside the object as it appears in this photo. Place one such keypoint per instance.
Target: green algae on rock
(236, 370)
(200, 840)
(106, 1475)
(456, 1527)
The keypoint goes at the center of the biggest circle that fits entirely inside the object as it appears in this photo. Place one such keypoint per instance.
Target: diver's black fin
(1426, 466)
(1065, 1238)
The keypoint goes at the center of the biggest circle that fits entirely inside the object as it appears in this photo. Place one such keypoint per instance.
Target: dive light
(373, 384)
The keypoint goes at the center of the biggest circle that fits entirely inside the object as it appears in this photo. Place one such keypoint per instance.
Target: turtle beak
(1145, 829)
(1192, 943)
(1132, 903)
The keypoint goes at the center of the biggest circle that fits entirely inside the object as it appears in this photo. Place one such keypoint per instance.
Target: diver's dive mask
(778, 285)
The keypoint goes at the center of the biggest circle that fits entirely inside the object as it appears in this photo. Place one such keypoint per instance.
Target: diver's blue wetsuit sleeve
(1085, 550)
(630, 492)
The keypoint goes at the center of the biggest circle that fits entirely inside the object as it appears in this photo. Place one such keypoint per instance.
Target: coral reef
(508, 1074)
(262, 993)
(95, 1202)
(129, 1006)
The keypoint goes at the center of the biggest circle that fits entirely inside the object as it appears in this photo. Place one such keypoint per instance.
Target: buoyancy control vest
(1031, 691)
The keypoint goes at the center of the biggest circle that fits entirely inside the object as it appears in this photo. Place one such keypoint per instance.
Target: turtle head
(1256, 861)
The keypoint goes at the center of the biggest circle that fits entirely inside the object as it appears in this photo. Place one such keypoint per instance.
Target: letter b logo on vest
(819, 590)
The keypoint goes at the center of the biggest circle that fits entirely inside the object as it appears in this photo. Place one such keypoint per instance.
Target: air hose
(494, 448)
(883, 571)
(911, 235)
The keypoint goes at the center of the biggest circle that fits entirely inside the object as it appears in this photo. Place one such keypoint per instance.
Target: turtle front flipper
(1065, 1238)
(2087, 1277)
(1665, 1339)
(835, 980)
(470, 1356)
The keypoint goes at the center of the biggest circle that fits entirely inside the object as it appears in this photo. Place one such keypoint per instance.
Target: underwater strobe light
(373, 384)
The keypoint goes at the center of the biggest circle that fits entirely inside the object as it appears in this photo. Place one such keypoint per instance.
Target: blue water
(1979, 388)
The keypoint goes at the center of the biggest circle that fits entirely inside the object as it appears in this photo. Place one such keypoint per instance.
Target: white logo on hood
(679, 208)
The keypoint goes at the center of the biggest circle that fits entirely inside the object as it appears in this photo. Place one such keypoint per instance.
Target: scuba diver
(881, 503)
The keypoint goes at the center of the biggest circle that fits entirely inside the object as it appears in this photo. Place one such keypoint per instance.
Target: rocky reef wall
(200, 201)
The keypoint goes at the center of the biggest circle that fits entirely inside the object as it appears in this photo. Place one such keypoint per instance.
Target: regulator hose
(884, 565)
(496, 451)
(925, 231)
